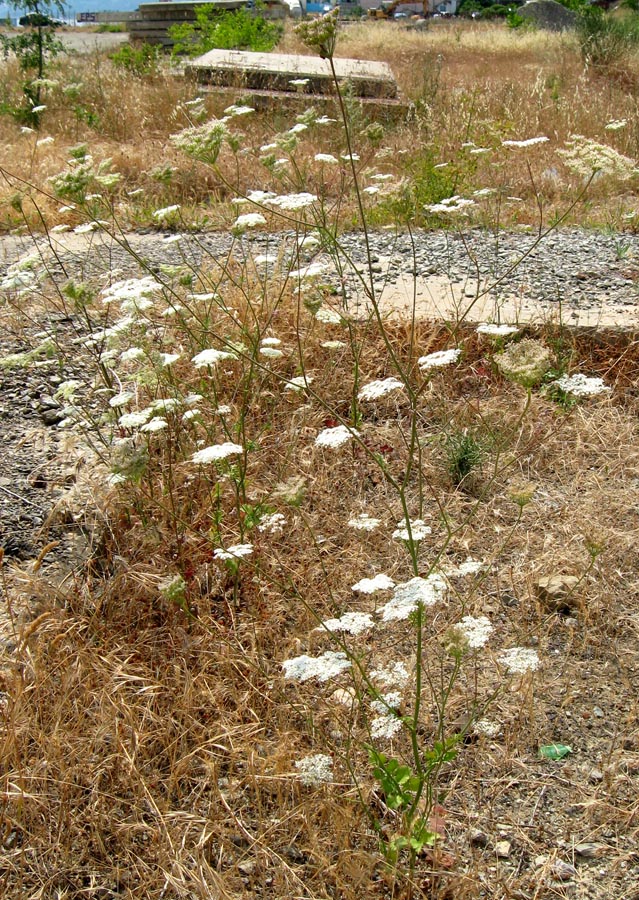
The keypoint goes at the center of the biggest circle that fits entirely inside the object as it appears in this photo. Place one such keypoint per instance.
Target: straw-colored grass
(469, 82)
(149, 753)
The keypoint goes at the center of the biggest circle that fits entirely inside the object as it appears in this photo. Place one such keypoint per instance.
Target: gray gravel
(581, 271)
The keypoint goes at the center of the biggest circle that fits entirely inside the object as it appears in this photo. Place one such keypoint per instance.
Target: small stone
(247, 867)
(502, 849)
(478, 838)
(557, 592)
(294, 854)
(562, 871)
(595, 776)
(589, 850)
(598, 711)
(51, 416)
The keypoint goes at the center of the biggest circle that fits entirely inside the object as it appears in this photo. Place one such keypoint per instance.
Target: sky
(76, 6)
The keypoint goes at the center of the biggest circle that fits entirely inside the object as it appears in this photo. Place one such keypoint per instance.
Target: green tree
(33, 47)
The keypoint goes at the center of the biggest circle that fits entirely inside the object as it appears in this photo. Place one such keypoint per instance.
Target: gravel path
(584, 278)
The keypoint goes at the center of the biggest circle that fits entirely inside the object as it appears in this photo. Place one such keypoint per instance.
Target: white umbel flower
(475, 631)
(351, 622)
(376, 389)
(216, 453)
(491, 329)
(329, 665)
(418, 531)
(439, 359)
(235, 551)
(364, 522)
(332, 438)
(528, 142)
(249, 220)
(385, 726)
(210, 357)
(408, 595)
(394, 674)
(581, 386)
(380, 582)
(315, 769)
(519, 660)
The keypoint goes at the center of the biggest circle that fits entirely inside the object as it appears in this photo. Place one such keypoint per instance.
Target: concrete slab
(275, 71)
(436, 298)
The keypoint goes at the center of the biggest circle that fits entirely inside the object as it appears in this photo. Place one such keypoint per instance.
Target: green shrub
(604, 39)
(140, 61)
(237, 30)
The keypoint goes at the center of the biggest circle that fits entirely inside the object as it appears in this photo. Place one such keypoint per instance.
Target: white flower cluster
(329, 665)
(493, 330)
(298, 383)
(165, 213)
(210, 357)
(585, 157)
(418, 531)
(135, 419)
(327, 158)
(525, 362)
(235, 551)
(291, 202)
(131, 289)
(273, 523)
(363, 522)
(616, 125)
(385, 726)
(380, 582)
(315, 769)
(438, 359)
(394, 674)
(475, 631)
(216, 453)
(328, 316)
(157, 424)
(313, 270)
(235, 110)
(351, 622)
(449, 205)
(519, 660)
(332, 438)
(486, 727)
(407, 596)
(528, 142)
(248, 220)
(581, 386)
(387, 703)
(376, 389)
(202, 142)
(470, 566)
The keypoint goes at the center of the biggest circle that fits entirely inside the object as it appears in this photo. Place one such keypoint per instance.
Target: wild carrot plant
(279, 447)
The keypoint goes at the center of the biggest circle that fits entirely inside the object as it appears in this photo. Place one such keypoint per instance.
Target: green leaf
(554, 751)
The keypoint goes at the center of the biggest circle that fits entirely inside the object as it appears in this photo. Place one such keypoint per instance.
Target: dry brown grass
(469, 82)
(149, 754)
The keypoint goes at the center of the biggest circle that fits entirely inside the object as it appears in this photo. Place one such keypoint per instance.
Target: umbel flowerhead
(525, 362)
(320, 34)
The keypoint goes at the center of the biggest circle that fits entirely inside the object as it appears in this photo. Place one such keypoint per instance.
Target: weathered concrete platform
(276, 71)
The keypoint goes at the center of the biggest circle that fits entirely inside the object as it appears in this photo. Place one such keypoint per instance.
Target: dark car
(38, 20)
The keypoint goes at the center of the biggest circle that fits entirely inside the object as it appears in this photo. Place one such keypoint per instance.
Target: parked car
(39, 20)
